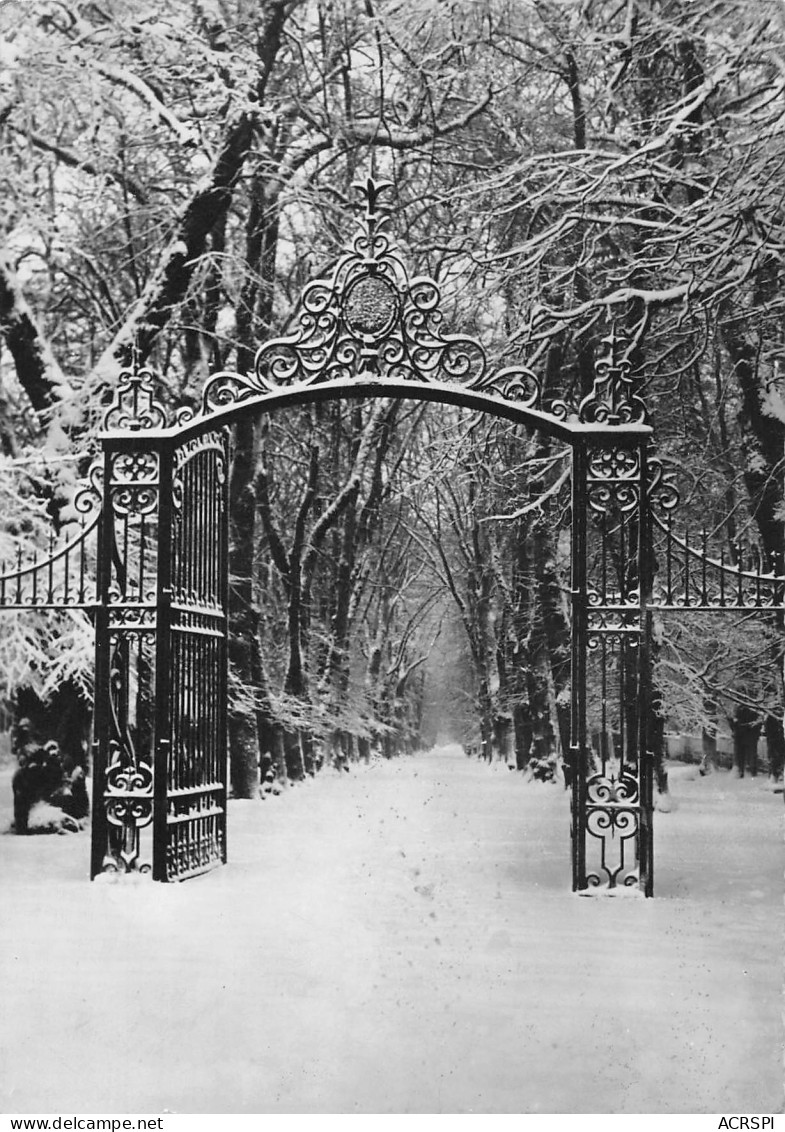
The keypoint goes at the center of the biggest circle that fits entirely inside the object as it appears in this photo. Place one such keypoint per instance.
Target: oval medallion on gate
(370, 306)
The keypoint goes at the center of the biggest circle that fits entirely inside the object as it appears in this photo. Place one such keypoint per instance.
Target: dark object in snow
(72, 797)
(44, 776)
(64, 719)
(745, 727)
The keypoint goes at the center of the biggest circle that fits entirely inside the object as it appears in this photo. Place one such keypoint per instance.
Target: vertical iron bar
(740, 579)
(222, 690)
(202, 534)
(188, 527)
(213, 527)
(142, 552)
(644, 682)
(623, 567)
(50, 567)
(176, 752)
(188, 728)
(123, 580)
(622, 654)
(579, 645)
(604, 703)
(82, 553)
(66, 576)
(758, 567)
(163, 639)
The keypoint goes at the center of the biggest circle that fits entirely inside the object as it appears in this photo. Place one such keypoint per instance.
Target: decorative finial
(134, 406)
(612, 400)
(375, 214)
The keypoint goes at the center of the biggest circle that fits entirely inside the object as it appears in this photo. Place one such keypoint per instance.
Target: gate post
(100, 744)
(611, 582)
(125, 626)
(125, 636)
(612, 799)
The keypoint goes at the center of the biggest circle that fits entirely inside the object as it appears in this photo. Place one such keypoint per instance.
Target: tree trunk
(657, 740)
(775, 745)
(244, 613)
(293, 755)
(543, 753)
(485, 706)
(763, 434)
(523, 735)
(708, 750)
(746, 730)
(556, 628)
(34, 368)
(504, 735)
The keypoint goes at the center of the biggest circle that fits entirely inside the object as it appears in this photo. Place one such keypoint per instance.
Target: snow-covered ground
(402, 939)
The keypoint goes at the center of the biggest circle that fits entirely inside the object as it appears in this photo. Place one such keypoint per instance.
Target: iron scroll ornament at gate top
(134, 407)
(370, 320)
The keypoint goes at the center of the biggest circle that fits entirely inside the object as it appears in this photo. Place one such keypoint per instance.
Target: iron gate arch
(368, 330)
(158, 502)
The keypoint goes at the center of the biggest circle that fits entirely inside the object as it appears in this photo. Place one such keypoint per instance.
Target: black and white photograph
(392, 560)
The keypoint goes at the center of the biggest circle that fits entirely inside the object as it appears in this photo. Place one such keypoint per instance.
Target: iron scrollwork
(663, 493)
(613, 623)
(89, 496)
(614, 464)
(612, 400)
(370, 320)
(128, 777)
(128, 800)
(613, 790)
(134, 483)
(614, 828)
(613, 481)
(134, 407)
(607, 498)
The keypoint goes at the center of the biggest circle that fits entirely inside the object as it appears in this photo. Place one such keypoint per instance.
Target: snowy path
(403, 939)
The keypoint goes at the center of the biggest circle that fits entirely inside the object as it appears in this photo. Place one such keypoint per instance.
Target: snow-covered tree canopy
(171, 177)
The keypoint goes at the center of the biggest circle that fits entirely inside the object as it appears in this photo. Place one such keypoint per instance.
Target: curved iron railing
(63, 578)
(687, 577)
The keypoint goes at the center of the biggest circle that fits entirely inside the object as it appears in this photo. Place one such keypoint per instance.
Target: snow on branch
(184, 133)
(535, 504)
(169, 282)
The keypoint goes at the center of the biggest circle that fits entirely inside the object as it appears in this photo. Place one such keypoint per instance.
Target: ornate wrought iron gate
(161, 676)
(159, 500)
(191, 770)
